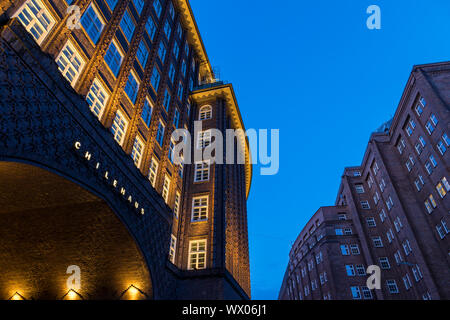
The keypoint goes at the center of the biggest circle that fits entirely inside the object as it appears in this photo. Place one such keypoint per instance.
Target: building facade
(392, 211)
(91, 93)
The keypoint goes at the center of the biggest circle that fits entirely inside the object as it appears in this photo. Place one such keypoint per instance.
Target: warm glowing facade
(392, 211)
(140, 70)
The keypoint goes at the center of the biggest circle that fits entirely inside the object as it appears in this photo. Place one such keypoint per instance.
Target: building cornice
(226, 92)
(194, 37)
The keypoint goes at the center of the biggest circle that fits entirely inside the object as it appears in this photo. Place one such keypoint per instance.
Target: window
(36, 19)
(176, 207)
(354, 248)
(350, 270)
(111, 3)
(370, 181)
(167, 29)
(319, 257)
(371, 222)
(339, 232)
(429, 167)
(419, 182)
(92, 23)
(197, 253)
(132, 87)
(359, 188)
(430, 204)
(392, 286)
(136, 154)
(158, 7)
(382, 215)
(398, 224)
(375, 168)
(127, 26)
(119, 127)
(342, 217)
(176, 118)
(390, 203)
(147, 112)
(70, 63)
(205, 113)
(344, 250)
(441, 190)
(139, 4)
(176, 50)
(410, 163)
(184, 68)
(150, 26)
(155, 79)
(142, 53)
(417, 273)
(367, 294)
(172, 72)
(201, 171)
(166, 102)
(204, 139)
(172, 11)
(376, 197)
(384, 263)
(390, 235)
(434, 120)
(360, 270)
(407, 282)
(348, 231)
(153, 172)
(433, 161)
(430, 128)
(166, 189)
(441, 147)
(377, 242)
(382, 185)
(162, 51)
(113, 58)
(160, 133)
(365, 205)
(398, 257)
(419, 148)
(97, 98)
(180, 91)
(407, 247)
(200, 208)
(446, 139)
(442, 229)
(173, 245)
(356, 293)
(179, 31)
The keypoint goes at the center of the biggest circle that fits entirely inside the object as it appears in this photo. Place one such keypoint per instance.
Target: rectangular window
(158, 7)
(377, 242)
(150, 26)
(153, 172)
(382, 215)
(142, 53)
(166, 102)
(119, 127)
(407, 282)
(348, 231)
(132, 87)
(97, 98)
(127, 26)
(384, 263)
(200, 208)
(365, 205)
(389, 203)
(111, 4)
(173, 246)
(162, 51)
(155, 79)
(345, 250)
(36, 19)
(430, 128)
(92, 23)
(113, 58)
(147, 112)
(176, 118)
(160, 133)
(359, 188)
(197, 253)
(407, 247)
(204, 139)
(356, 293)
(166, 189)
(417, 273)
(176, 207)
(360, 270)
(392, 286)
(350, 270)
(354, 248)
(70, 63)
(201, 171)
(136, 154)
(176, 50)
(441, 147)
(139, 4)
(441, 190)
(371, 222)
(367, 294)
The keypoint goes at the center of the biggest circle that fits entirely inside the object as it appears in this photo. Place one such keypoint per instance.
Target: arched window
(205, 113)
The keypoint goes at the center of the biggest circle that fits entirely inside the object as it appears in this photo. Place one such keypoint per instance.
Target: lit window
(132, 87)
(446, 139)
(136, 154)
(390, 203)
(180, 91)
(153, 172)
(147, 112)
(434, 120)
(433, 161)
(417, 273)
(345, 250)
(142, 53)
(204, 139)
(119, 127)
(173, 246)
(356, 293)
(205, 113)
(166, 189)
(113, 58)
(36, 19)
(382, 215)
(97, 98)
(176, 207)
(200, 208)
(70, 63)
(92, 23)
(350, 270)
(197, 255)
(430, 204)
(430, 128)
(127, 26)
(398, 257)
(441, 190)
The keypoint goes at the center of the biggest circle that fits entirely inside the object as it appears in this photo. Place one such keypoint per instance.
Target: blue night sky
(313, 70)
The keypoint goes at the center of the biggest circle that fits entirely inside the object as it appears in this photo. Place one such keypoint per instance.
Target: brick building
(90, 109)
(391, 211)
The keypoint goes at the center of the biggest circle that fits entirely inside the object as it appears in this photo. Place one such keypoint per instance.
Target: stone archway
(48, 223)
